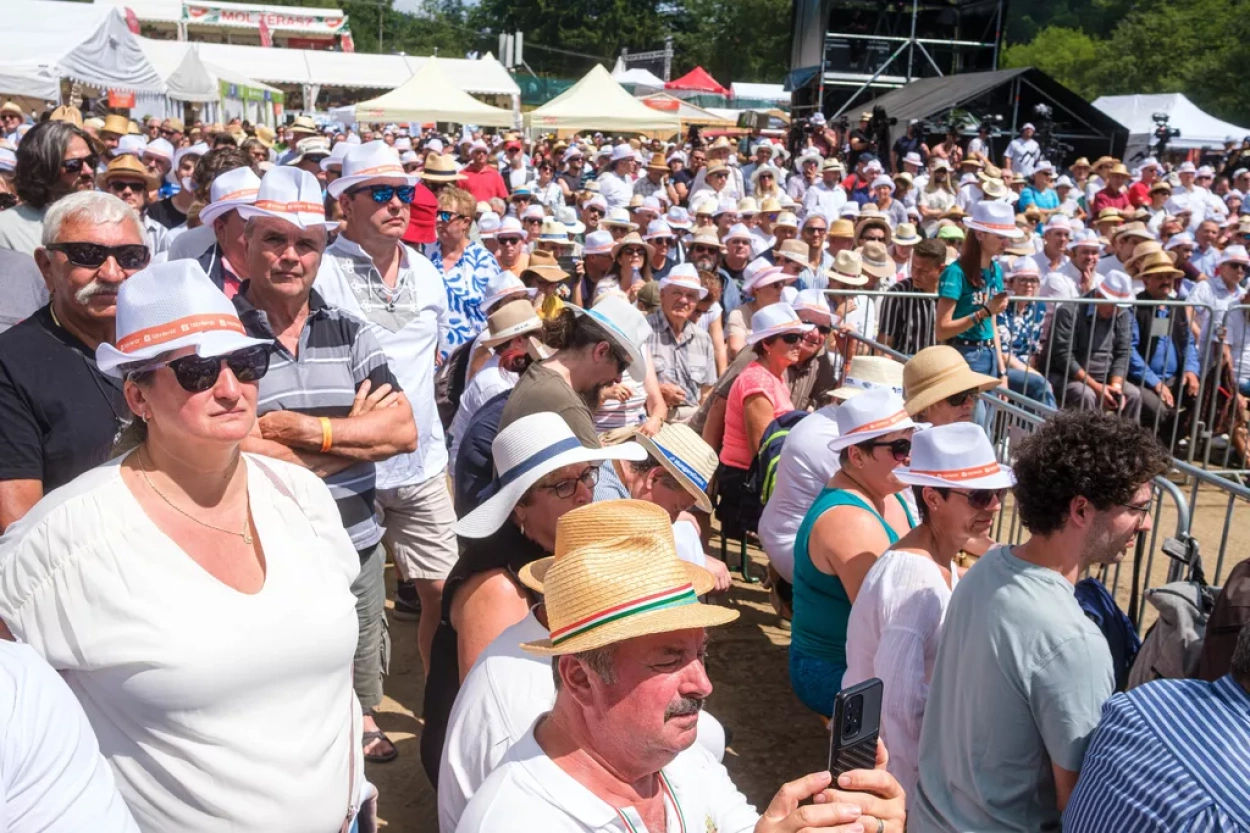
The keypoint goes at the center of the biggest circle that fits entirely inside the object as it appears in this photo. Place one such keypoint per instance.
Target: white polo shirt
(408, 322)
(528, 790)
(503, 694)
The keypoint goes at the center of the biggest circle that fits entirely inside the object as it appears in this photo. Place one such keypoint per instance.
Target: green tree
(1069, 55)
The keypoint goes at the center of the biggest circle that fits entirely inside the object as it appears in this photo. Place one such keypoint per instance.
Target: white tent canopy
(427, 96)
(760, 92)
(638, 76)
(599, 103)
(47, 41)
(1198, 129)
(186, 77)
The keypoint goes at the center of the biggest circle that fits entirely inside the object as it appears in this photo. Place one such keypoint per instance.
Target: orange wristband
(327, 435)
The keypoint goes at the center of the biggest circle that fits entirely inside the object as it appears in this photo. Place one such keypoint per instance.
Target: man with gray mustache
(60, 414)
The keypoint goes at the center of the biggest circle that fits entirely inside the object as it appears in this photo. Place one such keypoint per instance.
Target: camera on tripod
(1163, 133)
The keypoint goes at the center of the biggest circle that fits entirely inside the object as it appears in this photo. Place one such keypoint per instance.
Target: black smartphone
(855, 727)
(567, 263)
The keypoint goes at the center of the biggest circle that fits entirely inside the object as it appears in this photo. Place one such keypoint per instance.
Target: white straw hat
(291, 194)
(996, 218)
(685, 276)
(599, 243)
(160, 148)
(814, 302)
(848, 269)
(230, 190)
(955, 456)
(335, 159)
(776, 320)
(1116, 286)
(525, 452)
(870, 373)
(872, 414)
(618, 217)
(566, 215)
(487, 225)
(370, 161)
(168, 306)
(502, 284)
(760, 272)
(685, 456)
(624, 324)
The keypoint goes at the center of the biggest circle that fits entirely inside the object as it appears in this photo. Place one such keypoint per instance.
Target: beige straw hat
(876, 260)
(440, 168)
(622, 588)
(511, 320)
(936, 373)
(847, 269)
(685, 456)
(869, 373)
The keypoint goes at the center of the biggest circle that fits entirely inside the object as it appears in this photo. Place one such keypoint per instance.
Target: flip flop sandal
(378, 757)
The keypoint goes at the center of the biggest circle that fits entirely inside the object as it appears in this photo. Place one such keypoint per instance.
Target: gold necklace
(246, 534)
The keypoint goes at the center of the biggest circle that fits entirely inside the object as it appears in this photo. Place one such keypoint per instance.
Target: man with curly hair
(1021, 674)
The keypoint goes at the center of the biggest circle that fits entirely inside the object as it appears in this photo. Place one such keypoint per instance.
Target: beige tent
(685, 111)
(428, 96)
(597, 102)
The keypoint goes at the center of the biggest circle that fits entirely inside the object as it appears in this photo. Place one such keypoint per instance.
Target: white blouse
(893, 633)
(217, 710)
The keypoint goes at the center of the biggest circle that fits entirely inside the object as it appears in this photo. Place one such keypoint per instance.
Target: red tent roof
(697, 80)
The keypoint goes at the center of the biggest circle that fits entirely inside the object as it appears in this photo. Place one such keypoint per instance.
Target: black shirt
(59, 413)
(167, 214)
(474, 466)
(852, 156)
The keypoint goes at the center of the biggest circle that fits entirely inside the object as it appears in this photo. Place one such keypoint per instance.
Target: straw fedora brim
(963, 379)
(883, 270)
(1004, 478)
(487, 518)
(437, 176)
(849, 280)
(907, 241)
(127, 173)
(618, 337)
(666, 620)
(665, 457)
(533, 574)
(508, 333)
(622, 243)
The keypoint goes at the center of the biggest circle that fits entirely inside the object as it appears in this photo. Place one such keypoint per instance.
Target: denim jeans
(815, 681)
(981, 359)
(1033, 385)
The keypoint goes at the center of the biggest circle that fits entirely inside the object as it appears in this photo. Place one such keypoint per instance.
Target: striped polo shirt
(337, 353)
(1170, 755)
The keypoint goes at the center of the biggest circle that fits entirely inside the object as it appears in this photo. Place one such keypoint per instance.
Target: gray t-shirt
(22, 290)
(1019, 682)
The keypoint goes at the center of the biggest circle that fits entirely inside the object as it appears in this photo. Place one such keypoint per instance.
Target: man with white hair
(807, 174)
(616, 186)
(1023, 152)
(61, 415)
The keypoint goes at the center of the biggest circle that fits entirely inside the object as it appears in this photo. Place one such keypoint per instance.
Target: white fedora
(776, 320)
(1117, 286)
(509, 225)
(291, 194)
(487, 225)
(566, 215)
(996, 218)
(502, 285)
(618, 217)
(229, 191)
(624, 324)
(509, 321)
(525, 452)
(372, 160)
(679, 218)
(622, 151)
(168, 306)
(684, 275)
(160, 148)
(599, 243)
(760, 272)
(872, 414)
(335, 159)
(955, 456)
(870, 373)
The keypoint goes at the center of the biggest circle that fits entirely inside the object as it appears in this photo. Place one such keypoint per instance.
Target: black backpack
(762, 476)
(449, 383)
(1230, 614)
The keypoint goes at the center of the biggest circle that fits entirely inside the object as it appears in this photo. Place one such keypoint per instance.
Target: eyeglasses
(197, 374)
(814, 231)
(960, 399)
(772, 216)
(1142, 511)
(565, 489)
(982, 499)
(383, 194)
(122, 187)
(595, 212)
(900, 450)
(824, 329)
(167, 132)
(661, 241)
(700, 249)
(93, 255)
(532, 221)
(788, 338)
(75, 166)
(633, 251)
(507, 241)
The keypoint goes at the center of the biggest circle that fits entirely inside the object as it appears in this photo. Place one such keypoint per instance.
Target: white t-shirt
(409, 326)
(825, 200)
(893, 635)
(489, 382)
(217, 710)
(1213, 293)
(191, 243)
(1024, 155)
(805, 466)
(1238, 324)
(503, 694)
(527, 785)
(52, 778)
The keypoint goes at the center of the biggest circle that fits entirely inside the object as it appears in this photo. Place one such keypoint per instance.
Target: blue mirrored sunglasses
(385, 193)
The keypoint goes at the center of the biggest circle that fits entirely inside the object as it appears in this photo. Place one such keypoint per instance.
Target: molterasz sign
(251, 18)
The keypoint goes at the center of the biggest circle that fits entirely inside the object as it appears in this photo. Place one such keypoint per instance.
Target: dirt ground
(775, 738)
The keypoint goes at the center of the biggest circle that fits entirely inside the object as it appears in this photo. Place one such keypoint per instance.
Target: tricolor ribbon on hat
(877, 425)
(971, 473)
(675, 597)
(241, 194)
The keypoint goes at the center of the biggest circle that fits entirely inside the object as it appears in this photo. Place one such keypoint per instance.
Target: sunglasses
(383, 194)
(449, 216)
(532, 221)
(788, 338)
(595, 212)
(900, 450)
(814, 231)
(772, 216)
(633, 251)
(75, 166)
(703, 250)
(960, 399)
(122, 187)
(508, 241)
(981, 499)
(521, 198)
(196, 374)
(824, 329)
(661, 241)
(93, 255)
(565, 489)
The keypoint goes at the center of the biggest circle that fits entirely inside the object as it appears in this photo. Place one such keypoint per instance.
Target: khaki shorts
(418, 520)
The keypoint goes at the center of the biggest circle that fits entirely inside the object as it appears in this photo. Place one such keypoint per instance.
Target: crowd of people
(242, 368)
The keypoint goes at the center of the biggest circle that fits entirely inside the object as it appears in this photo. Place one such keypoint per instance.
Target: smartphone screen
(855, 727)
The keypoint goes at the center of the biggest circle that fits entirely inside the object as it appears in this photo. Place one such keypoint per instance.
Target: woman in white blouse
(896, 620)
(197, 600)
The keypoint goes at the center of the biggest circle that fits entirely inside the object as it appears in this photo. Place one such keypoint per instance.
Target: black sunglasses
(448, 216)
(814, 230)
(960, 399)
(199, 373)
(383, 194)
(788, 338)
(900, 450)
(75, 166)
(824, 329)
(93, 255)
(507, 241)
(980, 499)
(121, 187)
(702, 249)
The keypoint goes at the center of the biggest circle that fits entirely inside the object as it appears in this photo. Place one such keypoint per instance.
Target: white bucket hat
(872, 414)
(291, 194)
(372, 160)
(870, 373)
(168, 306)
(684, 275)
(525, 452)
(232, 189)
(955, 456)
(994, 217)
(776, 320)
(1117, 286)
(625, 326)
(503, 284)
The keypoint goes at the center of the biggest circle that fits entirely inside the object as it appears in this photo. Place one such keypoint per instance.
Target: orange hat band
(163, 333)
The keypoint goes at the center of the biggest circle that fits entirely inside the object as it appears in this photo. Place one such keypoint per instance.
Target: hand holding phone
(855, 727)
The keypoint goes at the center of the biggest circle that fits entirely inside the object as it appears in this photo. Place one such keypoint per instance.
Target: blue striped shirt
(1171, 755)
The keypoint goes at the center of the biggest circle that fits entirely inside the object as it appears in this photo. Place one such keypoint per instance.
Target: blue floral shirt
(1021, 330)
(466, 289)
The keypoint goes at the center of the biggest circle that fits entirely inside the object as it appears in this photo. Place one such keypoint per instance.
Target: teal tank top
(821, 606)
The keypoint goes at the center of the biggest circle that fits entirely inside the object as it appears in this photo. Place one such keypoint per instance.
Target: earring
(144, 416)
